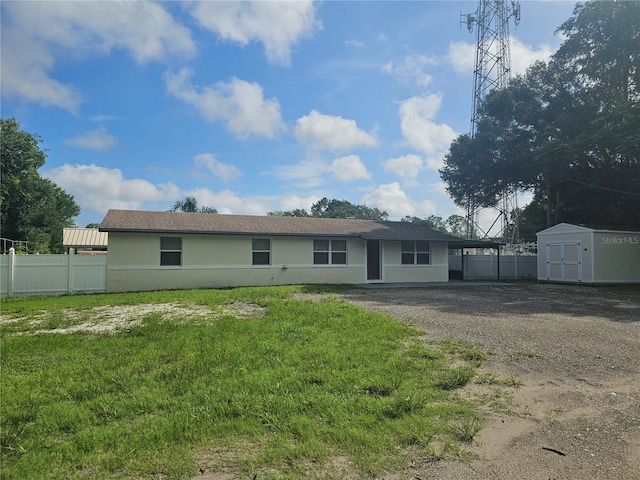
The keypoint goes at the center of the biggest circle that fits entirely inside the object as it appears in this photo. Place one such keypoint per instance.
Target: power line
(604, 188)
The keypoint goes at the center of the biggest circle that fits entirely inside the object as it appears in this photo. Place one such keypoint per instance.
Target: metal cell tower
(492, 70)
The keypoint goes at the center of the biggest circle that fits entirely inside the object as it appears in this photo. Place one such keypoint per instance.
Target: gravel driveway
(577, 351)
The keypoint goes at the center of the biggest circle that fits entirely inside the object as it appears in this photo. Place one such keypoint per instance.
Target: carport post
(498, 260)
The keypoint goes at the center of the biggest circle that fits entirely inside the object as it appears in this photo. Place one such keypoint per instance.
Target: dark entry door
(373, 259)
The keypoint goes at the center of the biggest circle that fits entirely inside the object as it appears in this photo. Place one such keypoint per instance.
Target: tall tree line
(32, 208)
(568, 130)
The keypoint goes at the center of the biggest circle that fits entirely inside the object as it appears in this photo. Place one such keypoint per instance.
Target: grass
(286, 391)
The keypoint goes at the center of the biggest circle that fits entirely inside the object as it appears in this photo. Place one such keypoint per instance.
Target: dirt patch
(575, 350)
(110, 319)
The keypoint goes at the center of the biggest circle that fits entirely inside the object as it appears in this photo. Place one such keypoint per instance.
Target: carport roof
(84, 238)
(137, 221)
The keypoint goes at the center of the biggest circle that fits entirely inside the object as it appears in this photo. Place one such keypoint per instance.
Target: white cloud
(407, 166)
(36, 34)
(426, 208)
(419, 129)
(277, 25)
(103, 118)
(356, 43)
(98, 189)
(435, 162)
(461, 56)
(328, 132)
(228, 202)
(440, 188)
(349, 168)
(390, 198)
(225, 171)
(308, 173)
(239, 103)
(412, 68)
(24, 73)
(523, 56)
(98, 139)
(293, 202)
(393, 200)
(312, 172)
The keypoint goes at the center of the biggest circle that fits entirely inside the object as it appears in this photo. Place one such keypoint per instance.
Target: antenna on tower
(492, 70)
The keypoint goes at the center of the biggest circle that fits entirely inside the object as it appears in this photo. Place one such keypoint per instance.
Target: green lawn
(263, 383)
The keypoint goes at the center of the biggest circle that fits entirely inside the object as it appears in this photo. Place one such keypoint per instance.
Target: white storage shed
(579, 254)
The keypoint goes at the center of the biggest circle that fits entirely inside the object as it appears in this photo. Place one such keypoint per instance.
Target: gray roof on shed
(208, 223)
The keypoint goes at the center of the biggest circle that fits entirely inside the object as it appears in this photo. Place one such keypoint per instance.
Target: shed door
(564, 261)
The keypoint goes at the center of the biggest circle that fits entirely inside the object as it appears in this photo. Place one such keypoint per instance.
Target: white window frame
(255, 250)
(330, 252)
(416, 253)
(170, 251)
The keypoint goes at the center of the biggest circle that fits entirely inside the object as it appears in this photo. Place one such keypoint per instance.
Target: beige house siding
(213, 261)
(436, 271)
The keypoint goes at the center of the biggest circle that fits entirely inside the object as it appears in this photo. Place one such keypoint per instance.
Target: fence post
(12, 257)
(70, 267)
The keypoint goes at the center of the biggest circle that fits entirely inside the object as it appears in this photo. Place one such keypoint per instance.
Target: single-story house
(581, 254)
(85, 240)
(170, 250)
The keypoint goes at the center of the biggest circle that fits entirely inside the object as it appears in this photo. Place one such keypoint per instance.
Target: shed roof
(84, 238)
(572, 227)
(207, 223)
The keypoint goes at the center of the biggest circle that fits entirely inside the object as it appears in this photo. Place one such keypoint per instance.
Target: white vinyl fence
(22, 275)
(485, 267)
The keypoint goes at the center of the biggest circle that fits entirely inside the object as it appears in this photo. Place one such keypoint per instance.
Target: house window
(261, 251)
(329, 252)
(415, 253)
(170, 251)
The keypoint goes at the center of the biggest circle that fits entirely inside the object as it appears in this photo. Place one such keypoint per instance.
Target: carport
(458, 267)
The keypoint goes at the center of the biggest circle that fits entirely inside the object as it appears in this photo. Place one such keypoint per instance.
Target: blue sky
(250, 107)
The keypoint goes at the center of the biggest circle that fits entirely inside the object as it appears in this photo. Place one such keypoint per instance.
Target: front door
(373, 260)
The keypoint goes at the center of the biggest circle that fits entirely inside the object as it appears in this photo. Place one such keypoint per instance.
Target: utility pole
(492, 70)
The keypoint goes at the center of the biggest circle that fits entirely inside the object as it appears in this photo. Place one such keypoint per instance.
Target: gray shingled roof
(207, 223)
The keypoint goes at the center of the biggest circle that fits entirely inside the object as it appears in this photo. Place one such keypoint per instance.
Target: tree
(325, 208)
(457, 225)
(569, 129)
(190, 205)
(32, 208)
(432, 221)
(453, 225)
(601, 43)
(298, 212)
